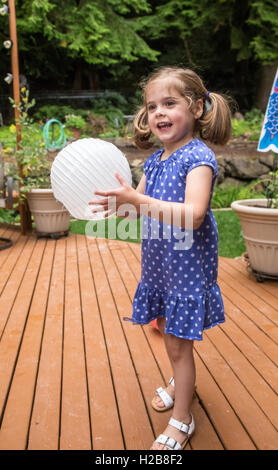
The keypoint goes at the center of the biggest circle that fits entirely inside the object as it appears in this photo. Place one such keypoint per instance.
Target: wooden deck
(74, 375)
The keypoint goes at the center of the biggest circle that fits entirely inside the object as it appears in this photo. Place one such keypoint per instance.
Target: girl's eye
(151, 107)
(170, 103)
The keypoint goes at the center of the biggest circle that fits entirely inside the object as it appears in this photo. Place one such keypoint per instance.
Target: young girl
(178, 285)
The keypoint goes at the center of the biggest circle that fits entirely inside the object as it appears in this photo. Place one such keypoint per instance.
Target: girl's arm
(197, 194)
(141, 185)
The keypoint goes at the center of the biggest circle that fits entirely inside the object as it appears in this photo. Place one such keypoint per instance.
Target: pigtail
(141, 130)
(215, 124)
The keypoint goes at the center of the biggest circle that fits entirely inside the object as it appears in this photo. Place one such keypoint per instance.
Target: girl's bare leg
(169, 389)
(180, 352)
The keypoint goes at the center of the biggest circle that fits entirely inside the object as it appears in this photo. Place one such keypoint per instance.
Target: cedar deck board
(74, 375)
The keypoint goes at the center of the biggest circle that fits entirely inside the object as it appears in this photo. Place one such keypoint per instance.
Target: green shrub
(250, 126)
(224, 195)
(74, 120)
(9, 216)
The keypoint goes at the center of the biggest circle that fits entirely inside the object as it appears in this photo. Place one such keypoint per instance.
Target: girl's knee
(179, 348)
(161, 324)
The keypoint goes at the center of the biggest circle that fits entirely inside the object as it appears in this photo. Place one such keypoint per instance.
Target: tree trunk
(93, 80)
(77, 82)
(188, 53)
(266, 77)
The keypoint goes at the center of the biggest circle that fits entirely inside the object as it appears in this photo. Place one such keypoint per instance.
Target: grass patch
(127, 230)
(231, 242)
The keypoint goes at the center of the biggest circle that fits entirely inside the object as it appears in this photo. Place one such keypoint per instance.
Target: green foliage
(268, 185)
(54, 112)
(31, 154)
(9, 216)
(250, 126)
(224, 195)
(8, 138)
(99, 31)
(73, 120)
(263, 20)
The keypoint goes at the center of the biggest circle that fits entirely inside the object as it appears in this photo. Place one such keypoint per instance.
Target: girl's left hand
(123, 195)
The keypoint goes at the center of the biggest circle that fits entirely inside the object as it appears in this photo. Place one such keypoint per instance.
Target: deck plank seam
(227, 400)
(22, 334)
(105, 341)
(254, 325)
(143, 330)
(226, 397)
(62, 352)
(7, 253)
(15, 263)
(231, 298)
(84, 343)
(245, 299)
(17, 290)
(40, 350)
(258, 292)
(224, 330)
(241, 382)
(239, 265)
(127, 344)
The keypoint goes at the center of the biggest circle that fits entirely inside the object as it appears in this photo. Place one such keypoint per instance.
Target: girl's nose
(159, 111)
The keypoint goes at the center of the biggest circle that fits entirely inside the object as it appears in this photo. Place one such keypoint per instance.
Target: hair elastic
(207, 101)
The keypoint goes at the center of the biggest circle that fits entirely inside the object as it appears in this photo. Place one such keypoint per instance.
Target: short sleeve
(198, 155)
(150, 163)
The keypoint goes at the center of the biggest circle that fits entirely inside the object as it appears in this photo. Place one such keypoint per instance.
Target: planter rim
(40, 190)
(247, 206)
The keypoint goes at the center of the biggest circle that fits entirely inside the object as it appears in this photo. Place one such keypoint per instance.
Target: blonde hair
(215, 123)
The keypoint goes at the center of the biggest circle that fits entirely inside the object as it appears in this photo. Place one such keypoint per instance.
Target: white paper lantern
(83, 167)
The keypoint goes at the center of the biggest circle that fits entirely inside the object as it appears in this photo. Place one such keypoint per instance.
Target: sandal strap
(172, 381)
(186, 428)
(169, 442)
(165, 397)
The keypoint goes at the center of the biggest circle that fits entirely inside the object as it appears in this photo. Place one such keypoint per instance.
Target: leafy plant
(75, 121)
(224, 195)
(250, 126)
(9, 216)
(31, 154)
(98, 124)
(269, 185)
(53, 111)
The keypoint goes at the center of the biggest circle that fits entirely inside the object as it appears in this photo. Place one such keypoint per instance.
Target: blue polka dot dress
(179, 284)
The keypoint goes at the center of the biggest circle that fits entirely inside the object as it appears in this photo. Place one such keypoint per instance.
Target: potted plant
(75, 123)
(259, 222)
(50, 216)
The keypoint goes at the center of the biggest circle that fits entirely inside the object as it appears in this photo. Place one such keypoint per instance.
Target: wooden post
(25, 218)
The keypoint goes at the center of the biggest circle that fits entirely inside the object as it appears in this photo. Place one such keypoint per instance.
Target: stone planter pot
(260, 231)
(50, 216)
(75, 132)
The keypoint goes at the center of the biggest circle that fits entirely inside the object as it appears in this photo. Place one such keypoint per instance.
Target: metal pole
(25, 221)
(15, 69)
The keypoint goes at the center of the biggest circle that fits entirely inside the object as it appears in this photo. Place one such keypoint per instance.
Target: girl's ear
(198, 108)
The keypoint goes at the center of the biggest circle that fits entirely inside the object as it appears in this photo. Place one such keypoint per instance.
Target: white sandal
(165, 397)
(170, 442)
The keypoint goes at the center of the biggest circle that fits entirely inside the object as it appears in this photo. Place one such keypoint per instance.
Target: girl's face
(169, 117)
